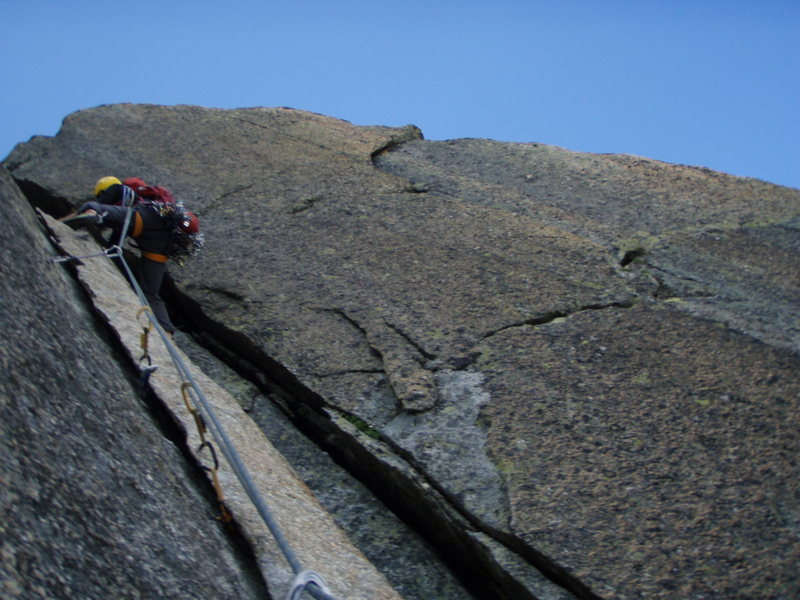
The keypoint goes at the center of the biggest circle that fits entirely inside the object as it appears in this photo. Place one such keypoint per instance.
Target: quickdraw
(144, 337)
(304, 580)
(198, 418)
(224, 516)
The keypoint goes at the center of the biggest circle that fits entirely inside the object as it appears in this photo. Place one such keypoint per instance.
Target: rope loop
(302, 580)
(114, 251)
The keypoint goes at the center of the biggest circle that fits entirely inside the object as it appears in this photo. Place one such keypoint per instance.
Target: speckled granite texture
(583, 369)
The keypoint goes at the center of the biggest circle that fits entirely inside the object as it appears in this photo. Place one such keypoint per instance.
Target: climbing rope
(110, 252)
(212, 424)
(207, 422)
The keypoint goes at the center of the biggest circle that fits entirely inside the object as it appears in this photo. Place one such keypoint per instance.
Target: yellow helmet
(103, 183)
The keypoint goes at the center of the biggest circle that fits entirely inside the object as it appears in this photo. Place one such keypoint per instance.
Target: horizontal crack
(553, 315)
(223, 292)
(307, 203)
(223, 197)
(665, 289)
(675, 275)
(348, 372)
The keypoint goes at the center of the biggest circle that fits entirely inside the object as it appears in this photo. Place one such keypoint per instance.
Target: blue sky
(708, 83)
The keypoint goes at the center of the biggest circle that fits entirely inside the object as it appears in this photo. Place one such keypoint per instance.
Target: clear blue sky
(708, 83)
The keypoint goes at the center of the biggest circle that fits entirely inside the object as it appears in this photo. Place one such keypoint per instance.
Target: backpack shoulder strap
(128, 196)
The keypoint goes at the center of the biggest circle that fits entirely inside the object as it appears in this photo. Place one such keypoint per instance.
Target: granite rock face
(725, 245)
(96, 501)
(578, 374)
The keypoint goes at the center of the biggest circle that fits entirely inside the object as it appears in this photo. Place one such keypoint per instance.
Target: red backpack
(151, 193)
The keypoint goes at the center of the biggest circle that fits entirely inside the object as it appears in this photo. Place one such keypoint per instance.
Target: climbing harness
(207, 422)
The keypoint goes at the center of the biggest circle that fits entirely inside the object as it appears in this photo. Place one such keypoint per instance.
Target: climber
(146, 226)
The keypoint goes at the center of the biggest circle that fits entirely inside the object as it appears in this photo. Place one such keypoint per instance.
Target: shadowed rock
(302, 528)
(573, 368)
(96, 501)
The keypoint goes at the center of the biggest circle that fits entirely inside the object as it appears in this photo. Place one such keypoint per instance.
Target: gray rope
(112, 252)
(313, 583)
(228, 449)
(128, 197)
